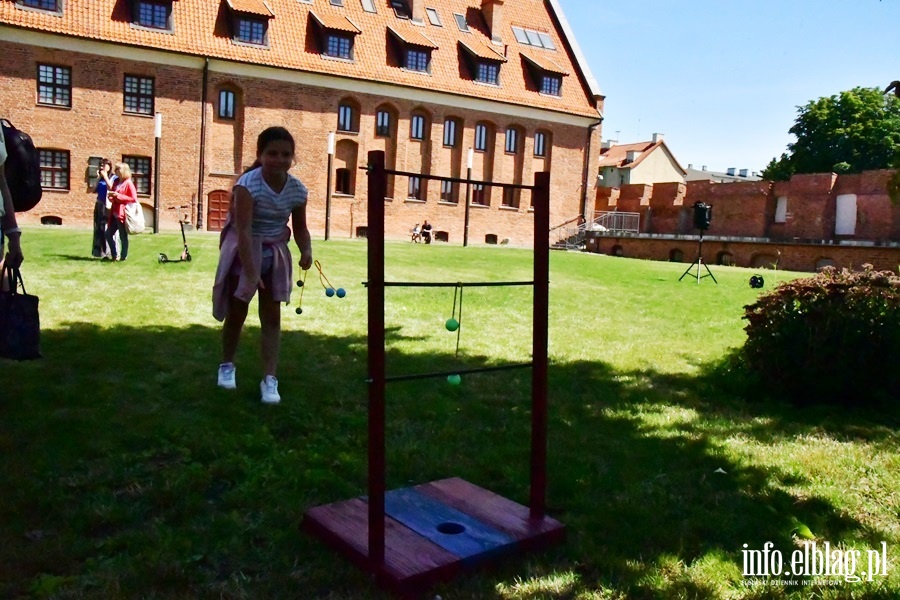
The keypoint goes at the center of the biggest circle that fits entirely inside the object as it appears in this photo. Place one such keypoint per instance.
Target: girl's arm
(243, 223)
(301, 236)
(127, 192)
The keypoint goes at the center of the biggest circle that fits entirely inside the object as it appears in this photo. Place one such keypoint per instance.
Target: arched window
(616, 251)
(725, 258)
(348, 116)
(676, 255)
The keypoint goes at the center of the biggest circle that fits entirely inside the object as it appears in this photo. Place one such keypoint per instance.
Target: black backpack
(23, 168)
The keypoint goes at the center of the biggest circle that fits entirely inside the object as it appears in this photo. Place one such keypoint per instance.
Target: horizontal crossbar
(519, 186)
(448, 284)
(394, 378)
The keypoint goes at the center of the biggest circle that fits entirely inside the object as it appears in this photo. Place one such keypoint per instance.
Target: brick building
(803, 224)
(423, 80)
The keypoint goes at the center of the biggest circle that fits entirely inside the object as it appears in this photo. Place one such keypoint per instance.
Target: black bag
(20, 325)
(23, 168)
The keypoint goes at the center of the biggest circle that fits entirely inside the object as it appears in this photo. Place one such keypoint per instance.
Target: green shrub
(831, 338)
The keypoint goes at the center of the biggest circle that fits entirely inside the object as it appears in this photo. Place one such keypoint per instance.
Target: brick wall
(96, 126)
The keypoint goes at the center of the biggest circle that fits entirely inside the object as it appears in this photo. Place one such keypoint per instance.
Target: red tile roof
(254, 7)
(332, 21)
(481, 50)
(409, 35)
(196, 32)
(543, 63)
(616, 156)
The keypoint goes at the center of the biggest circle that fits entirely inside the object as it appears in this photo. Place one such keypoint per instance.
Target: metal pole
(158, 136)
(469, 161)
(377, 190)
(540, 331)
(328, 185)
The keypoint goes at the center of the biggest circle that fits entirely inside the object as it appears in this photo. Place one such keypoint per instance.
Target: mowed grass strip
(126, 473)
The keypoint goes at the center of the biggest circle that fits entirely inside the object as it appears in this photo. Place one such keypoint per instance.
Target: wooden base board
(432, 531)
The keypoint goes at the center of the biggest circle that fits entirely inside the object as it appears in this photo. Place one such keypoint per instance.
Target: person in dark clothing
(426, 232)
(105, 183)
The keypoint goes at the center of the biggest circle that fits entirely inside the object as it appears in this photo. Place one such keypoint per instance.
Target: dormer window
(484, 62)
(51, 5)
(412, 50)
(461, 22)
(546, 75)
(337, 35)
(250, 21)
(153, 15)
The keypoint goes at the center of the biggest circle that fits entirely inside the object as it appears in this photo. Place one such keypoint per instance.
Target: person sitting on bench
(416, 234)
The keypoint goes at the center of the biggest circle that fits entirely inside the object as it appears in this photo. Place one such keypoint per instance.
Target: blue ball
(454, 379)
(329, 292)
(341, 293)
(452, 324)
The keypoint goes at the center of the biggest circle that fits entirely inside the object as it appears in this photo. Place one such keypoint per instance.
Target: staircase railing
(572, 233)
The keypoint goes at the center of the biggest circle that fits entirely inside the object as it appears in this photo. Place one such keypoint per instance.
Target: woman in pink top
(124, 193)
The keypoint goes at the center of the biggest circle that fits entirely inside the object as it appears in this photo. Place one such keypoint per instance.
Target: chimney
(657, 137)
(730, 171)
(417, 9)
(690, 165)
(493, 14)
(606, 145)
(742, 172)
(704, 168)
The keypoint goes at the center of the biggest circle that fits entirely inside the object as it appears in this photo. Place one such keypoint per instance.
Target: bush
(831, 338)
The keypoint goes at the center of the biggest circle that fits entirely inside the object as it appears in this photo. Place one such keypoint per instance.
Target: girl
(254, 254)
(105, 182)
(125, 193)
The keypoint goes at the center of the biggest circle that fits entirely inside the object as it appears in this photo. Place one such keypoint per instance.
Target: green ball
(452, 324)
(454, 379)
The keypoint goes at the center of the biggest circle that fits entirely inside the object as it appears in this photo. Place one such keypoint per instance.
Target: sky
(722, 80)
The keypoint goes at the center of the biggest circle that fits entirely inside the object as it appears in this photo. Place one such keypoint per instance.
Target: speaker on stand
(702, 220)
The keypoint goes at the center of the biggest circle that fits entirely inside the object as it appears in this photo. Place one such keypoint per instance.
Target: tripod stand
(698, 262)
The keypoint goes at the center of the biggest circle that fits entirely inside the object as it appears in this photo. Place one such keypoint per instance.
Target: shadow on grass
(126, 471)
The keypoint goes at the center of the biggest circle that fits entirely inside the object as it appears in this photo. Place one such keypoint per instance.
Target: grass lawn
(127, 474)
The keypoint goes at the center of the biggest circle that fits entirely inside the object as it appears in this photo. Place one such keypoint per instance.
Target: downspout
(204, 96)
(587, 164)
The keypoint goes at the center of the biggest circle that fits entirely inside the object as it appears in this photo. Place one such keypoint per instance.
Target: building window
(448, 191)
(53, 5)
(337, 2)
(54, 169)
(450, 133)
(417, 127)
(530, 37)
(367, 5)
(487, 73)
(383, 123)
(478, 195)
(781, 209)
(433, 17)
(417, 60)
(338, 46)
(342, 181)
(415, 188)
(401, 9)
(511, 197)
(512, 141)
(481, 137)
(138, 95)
(461, 22)
(540, 144)
(226, 104)
(140, 172)
(346, 118)
(54, 85)
(551, 84)
(251, 31)
(154, 15)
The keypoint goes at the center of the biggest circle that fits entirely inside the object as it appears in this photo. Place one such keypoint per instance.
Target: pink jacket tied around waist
(282, 269)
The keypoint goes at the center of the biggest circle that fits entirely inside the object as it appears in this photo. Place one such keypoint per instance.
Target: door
(218, 203)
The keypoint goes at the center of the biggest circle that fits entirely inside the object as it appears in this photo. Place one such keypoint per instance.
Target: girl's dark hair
(273, 134)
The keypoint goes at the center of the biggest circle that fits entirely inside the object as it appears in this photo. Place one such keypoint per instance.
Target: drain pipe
(204, 96)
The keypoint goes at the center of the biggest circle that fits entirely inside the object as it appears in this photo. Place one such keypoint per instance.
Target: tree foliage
(854, 131)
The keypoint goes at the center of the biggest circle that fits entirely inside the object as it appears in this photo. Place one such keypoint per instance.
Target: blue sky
(722, 79)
